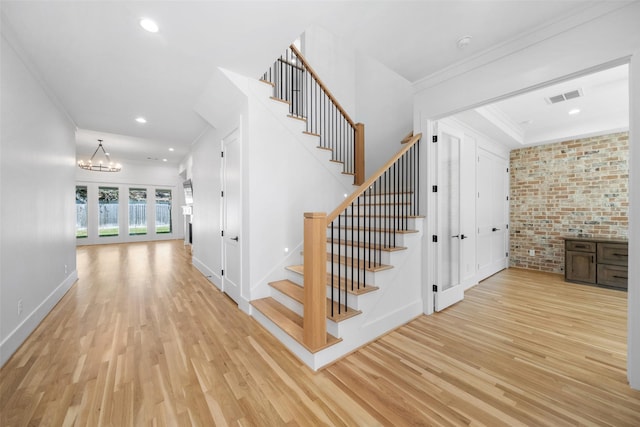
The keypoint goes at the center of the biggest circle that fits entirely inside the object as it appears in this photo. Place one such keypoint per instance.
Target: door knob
(235, 238)
(462, 237)
(495, 229)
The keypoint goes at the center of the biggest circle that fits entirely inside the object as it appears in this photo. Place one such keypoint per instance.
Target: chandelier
(100, 166)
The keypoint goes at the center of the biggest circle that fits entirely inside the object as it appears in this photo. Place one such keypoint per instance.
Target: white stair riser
(377, 222)
(393, 198)
(375, 237)
(383, 210)
(381, 257)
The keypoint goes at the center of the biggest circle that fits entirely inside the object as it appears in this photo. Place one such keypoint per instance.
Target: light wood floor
(143, 339)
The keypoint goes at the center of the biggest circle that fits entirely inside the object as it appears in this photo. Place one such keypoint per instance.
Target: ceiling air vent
(564, 96)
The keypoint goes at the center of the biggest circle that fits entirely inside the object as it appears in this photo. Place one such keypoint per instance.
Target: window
(137, 211)
(163, 211)
(108, 224)
(81, 211)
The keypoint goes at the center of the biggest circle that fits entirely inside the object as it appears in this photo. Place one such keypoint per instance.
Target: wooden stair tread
(284, 101)
(365, 245)
(296, 292)
(291, 116)
(288, 321)
(357, 290)
(358, 263)
(268, 82)
(310, 133)
(363, 204)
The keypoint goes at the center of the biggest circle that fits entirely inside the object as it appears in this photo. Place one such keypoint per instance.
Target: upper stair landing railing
(296, 82)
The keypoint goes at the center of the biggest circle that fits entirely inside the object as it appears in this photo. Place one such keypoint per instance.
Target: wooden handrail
(345, 204)
(322, 85)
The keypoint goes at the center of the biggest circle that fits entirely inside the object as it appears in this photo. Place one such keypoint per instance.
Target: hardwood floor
(143, 339)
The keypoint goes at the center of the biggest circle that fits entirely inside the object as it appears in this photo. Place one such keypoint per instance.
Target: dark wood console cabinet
(597, 262)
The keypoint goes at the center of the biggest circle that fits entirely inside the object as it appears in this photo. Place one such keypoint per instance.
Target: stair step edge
(288, 321)
(364, 288)
(296, 292)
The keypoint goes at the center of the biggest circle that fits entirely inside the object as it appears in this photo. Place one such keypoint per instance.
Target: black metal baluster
(331, 259)
(352, 248)
(359, 214)
(338, 263)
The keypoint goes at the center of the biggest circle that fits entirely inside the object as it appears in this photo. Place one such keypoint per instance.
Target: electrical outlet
(19, 307)
(532, 252)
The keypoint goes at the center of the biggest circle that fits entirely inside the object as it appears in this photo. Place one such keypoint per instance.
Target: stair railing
(296, 82)
(365, 224)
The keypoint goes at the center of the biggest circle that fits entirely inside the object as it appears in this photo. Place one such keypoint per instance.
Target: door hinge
(507, 226)
(222, 233)
(434, 188)
(434, 138)
(506, 254)
(434, 238)
(222, 272)
(507, 197)
(222, 194)
(435, 288)
(507, 170)
(222, 154)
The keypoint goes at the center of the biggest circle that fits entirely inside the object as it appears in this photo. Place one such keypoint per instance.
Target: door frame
(455, 293)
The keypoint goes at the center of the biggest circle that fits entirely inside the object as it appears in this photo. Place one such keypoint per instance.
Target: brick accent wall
(576, 188)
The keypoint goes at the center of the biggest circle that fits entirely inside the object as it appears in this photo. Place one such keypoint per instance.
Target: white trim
(209, 274)
(520, 43)
(18, 336)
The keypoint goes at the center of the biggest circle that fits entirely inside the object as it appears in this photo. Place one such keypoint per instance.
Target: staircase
(360, 270)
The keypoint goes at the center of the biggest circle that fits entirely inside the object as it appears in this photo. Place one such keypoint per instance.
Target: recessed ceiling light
(141, 120)
(149, 25)
(526, 122)
(574, 111)
(463, 42)
(171, 149)
(164, 160)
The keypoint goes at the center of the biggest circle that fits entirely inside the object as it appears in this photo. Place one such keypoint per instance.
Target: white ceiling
(529, 119)
(106, 71)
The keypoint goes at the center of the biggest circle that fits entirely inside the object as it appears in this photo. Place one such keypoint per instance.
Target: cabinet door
(581, 266)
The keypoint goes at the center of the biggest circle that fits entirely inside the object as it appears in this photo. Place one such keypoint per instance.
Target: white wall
(285, 178)
(37, 245)
(334, 62)
(633, 329)
(133, 175)
(610, 38)
(368, 91)
(384, 103)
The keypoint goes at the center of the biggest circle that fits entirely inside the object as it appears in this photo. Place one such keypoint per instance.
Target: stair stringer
(285, 175)
(397, 301)
(261, 93)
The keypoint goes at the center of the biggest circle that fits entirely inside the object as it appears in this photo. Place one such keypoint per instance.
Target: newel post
(358, 178)
(315, 280)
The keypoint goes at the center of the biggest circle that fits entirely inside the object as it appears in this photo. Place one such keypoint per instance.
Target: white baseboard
(14, 340)
(211, 275)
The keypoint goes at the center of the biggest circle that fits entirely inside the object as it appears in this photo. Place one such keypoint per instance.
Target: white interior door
(492, 178)
(448, 149)
(231, 216)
